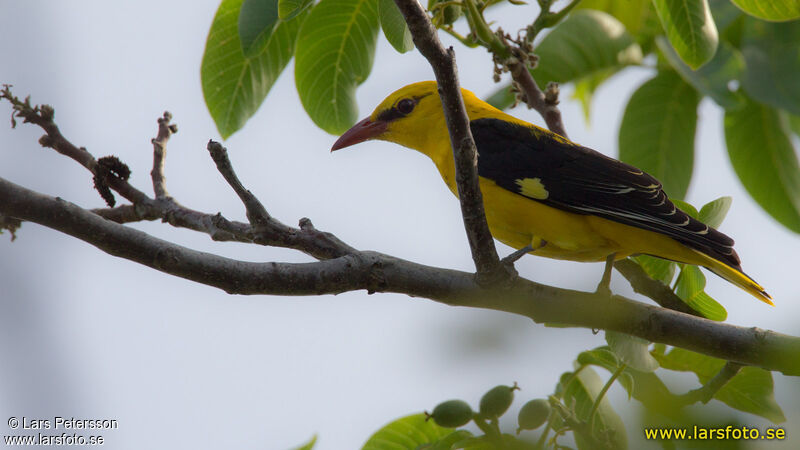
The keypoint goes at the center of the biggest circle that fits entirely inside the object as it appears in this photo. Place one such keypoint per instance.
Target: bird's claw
(514, 257)
(604, 287)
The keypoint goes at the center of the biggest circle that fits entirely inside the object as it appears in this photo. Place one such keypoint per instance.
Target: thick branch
(381, 273)
(443, 63)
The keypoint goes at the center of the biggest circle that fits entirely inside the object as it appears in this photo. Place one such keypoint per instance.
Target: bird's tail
(736, 277)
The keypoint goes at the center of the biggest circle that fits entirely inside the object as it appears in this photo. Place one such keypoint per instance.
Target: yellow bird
(549, 196)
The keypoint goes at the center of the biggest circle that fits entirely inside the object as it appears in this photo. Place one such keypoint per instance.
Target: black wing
(583, 181)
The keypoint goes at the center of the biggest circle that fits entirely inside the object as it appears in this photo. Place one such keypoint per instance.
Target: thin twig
(706, 392)
(165, 130)
(43, 116)
(256, 212)
(545, 104)
(316, 243)
(266, 230)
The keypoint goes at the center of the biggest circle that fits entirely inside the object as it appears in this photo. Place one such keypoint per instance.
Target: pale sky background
(181, 365)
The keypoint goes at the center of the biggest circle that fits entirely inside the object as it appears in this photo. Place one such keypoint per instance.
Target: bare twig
(165, 130)
(43, 117)
(484, 254)
(546, 106)
(319, 244)
(256, 212)
(266, 230)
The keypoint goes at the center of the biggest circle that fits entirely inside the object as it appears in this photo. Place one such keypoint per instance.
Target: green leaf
(772, 56)
(794, 123)
(724, 13)
(751, 390)
(658, 130)
(601, 356)
(448, 442)
(638, 16)
(407, 433)
(707, 306)
(583, 389)
(691, 283)
(394, 26)
(585, 43)
(308, 445)
(690, 29)
(605, 358)
(334, 55)
(657, 268)
(257, 20)
(585, 87)
(713, 79)
(776, 10)
(713, 213)
(234, 86)
(655, 396)
(631, 13)
(765, 161)
(686, 207)
(288, 9)
(502, 98)
(632, 350)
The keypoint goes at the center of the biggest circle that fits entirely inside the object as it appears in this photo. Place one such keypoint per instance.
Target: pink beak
(362, 131)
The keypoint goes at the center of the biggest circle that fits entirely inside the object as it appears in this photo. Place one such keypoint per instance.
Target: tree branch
(376, 272)
(654, 289)
(443, 62)
(706, 392)
(546, 104)
(165, 130)
(43, 117)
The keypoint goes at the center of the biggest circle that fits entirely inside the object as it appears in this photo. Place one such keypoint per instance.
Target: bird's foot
(536, 244)
(514, 257)
(604, 287)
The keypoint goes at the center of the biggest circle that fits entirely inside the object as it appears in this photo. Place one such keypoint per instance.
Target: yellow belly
(518, 221)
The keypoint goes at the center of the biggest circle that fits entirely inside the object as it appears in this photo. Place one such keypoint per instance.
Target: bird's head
(412, 116)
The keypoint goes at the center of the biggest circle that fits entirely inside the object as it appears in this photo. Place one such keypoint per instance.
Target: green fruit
(452, 414)
(495, 402)
(449, 13)
(533, 414)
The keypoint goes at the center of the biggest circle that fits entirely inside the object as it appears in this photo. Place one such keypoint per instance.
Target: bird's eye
(405, 106)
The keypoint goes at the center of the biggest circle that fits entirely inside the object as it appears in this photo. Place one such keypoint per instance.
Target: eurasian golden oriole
(548, 194)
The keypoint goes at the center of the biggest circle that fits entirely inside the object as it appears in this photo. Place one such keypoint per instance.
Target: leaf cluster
(580, 408)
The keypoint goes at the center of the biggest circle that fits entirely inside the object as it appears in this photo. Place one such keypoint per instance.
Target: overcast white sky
(181, 365)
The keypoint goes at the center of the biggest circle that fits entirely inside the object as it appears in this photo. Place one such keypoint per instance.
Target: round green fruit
(450, 13)
(452, 414)
(533, 414)
(496, 402)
